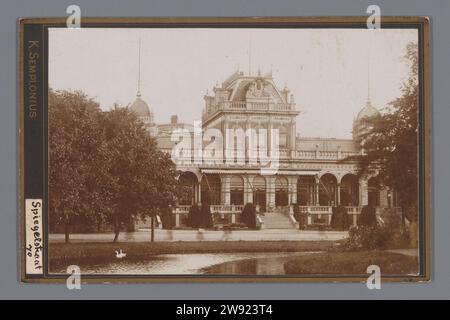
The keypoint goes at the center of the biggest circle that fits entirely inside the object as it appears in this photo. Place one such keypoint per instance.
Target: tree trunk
(66, 232)
(66, 228)
(404, 216)
(153, 229)
(116, 228)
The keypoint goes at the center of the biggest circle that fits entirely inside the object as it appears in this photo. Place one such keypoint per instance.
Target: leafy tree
(104, 166)
(77, 157)
(144, 176)
(390, 143)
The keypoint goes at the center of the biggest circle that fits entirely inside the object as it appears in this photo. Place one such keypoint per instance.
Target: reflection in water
(175, 264)
(255, 266)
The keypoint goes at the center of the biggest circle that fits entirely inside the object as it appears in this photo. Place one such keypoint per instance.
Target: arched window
(327, 190)
(281, 191)
(283, 137)
(187, 182)
(349, 190)
(261, 136)
(238, 142)
(259, 192)
(237, 190)
(210, 189)
(306, 186)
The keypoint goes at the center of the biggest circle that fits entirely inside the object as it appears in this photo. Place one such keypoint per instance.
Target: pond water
(176, 264)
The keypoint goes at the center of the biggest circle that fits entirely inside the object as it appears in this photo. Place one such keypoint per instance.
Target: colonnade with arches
(270, 192)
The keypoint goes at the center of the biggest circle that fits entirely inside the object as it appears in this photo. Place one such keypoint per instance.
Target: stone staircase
(277, 220)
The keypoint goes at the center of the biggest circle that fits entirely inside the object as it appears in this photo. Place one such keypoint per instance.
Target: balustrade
(312, 212)
(257, 106)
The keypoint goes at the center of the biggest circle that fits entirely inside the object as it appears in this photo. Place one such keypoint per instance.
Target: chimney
(174, 119)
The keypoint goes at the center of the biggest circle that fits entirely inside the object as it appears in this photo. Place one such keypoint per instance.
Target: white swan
(120, 254)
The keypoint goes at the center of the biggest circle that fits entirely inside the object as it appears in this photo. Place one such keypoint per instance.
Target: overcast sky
(325, 69)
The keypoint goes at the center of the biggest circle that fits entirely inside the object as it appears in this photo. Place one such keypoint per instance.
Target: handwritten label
(34, 238)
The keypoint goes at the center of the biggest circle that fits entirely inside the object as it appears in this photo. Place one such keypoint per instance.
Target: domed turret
(142, 110)
(361, 123)
(139, 106)
(367, 112)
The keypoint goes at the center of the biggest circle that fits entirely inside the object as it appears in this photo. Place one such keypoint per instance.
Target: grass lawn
(101, 252)
(352, 263)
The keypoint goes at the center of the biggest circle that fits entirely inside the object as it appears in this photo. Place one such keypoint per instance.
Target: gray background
(437, 10)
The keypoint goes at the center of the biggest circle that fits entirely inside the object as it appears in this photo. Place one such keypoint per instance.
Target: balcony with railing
(325, 155)
(248, 106)
(238, 156)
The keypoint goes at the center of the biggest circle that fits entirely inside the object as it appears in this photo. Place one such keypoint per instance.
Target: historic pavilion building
(312, 172)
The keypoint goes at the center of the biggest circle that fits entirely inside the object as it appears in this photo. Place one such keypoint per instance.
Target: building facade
(258, 155)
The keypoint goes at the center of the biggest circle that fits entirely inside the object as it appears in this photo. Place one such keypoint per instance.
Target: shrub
(206, 220)
(367, 238)
(300, 217)
(388, 233)
(339, 218)
(194, 217)
(368, 216)
(248, 216)
(401, 235)
(167, 218)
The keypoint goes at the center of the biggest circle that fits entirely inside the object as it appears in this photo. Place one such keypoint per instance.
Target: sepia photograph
(254, 151)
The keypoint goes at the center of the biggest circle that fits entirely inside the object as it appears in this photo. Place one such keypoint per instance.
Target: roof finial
(368, 78)
(250, 56)
(139, 70)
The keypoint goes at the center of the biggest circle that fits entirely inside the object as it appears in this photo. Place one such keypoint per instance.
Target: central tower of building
(253, 102)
